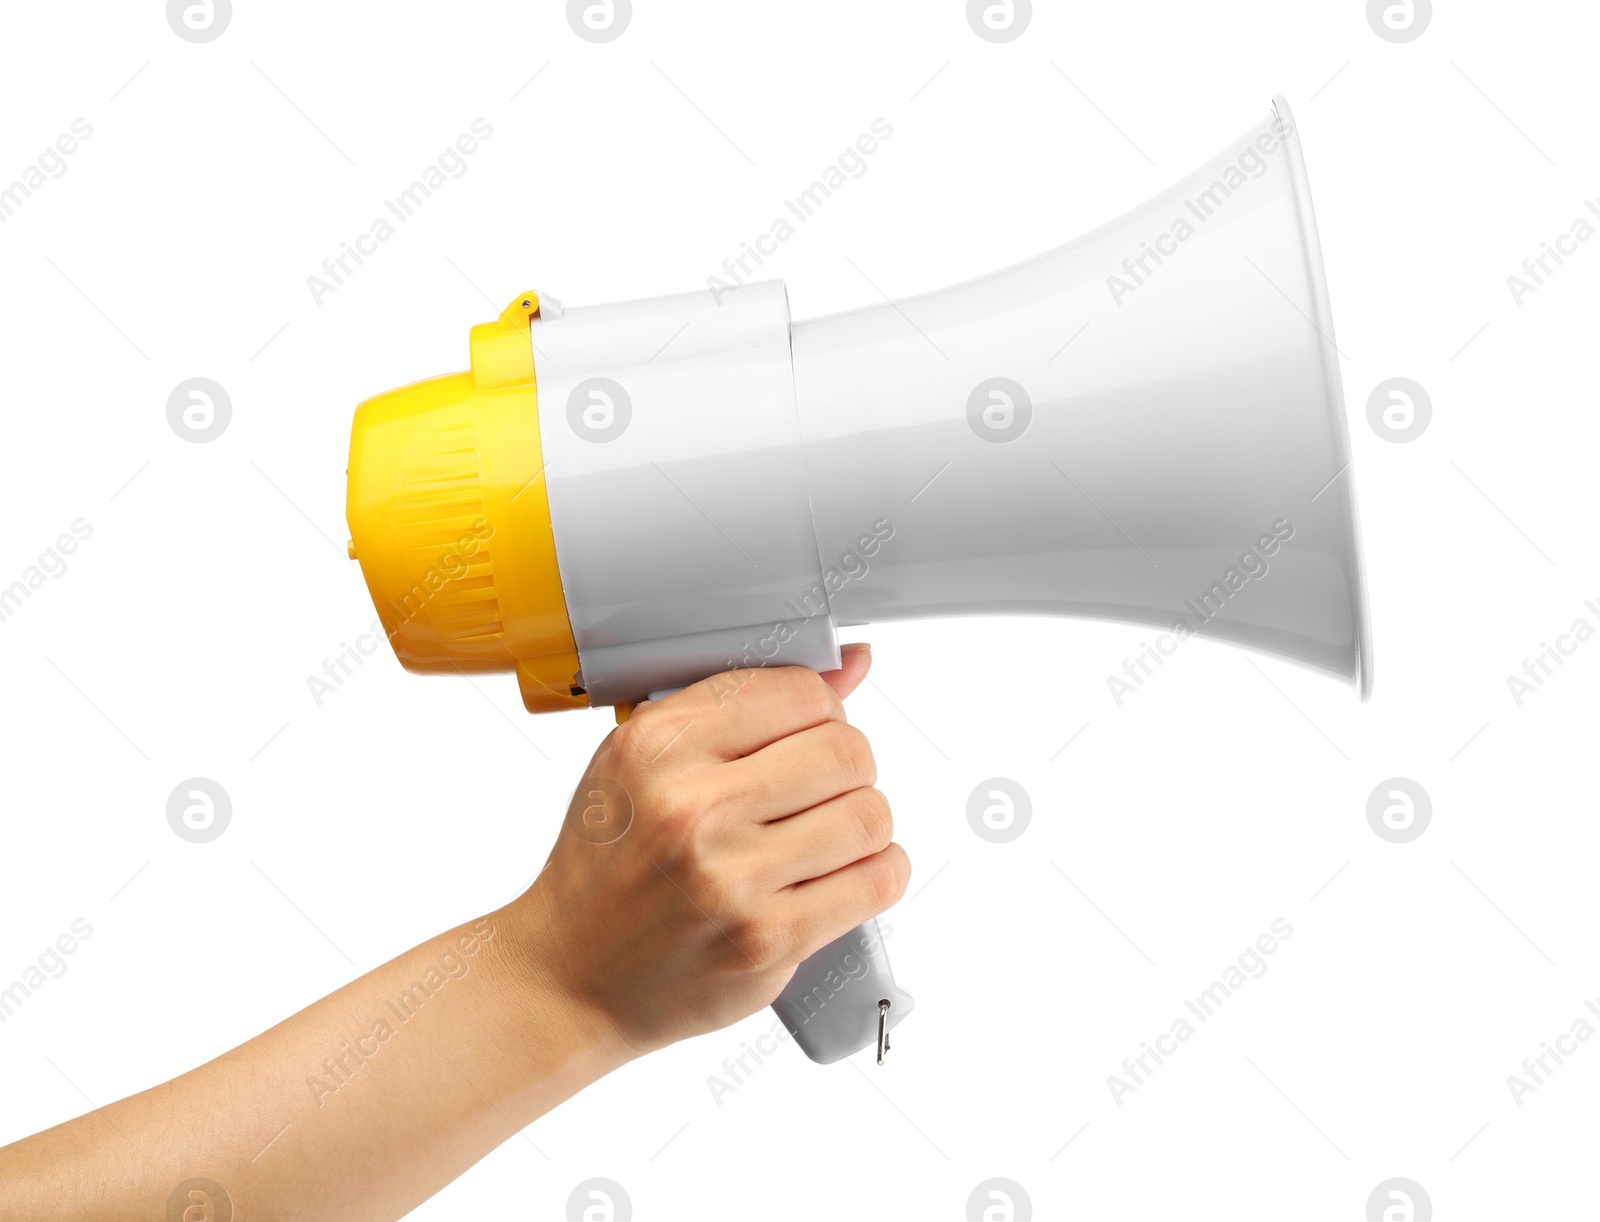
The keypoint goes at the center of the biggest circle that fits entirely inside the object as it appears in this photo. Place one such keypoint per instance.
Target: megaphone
(1144, 425)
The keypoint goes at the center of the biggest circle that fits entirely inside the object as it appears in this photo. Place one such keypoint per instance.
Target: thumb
(855, 661)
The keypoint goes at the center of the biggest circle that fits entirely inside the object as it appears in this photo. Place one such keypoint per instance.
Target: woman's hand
(718, 837)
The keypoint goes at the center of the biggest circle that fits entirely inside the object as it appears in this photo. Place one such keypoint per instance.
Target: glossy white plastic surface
(1171, 449)
(677, 490)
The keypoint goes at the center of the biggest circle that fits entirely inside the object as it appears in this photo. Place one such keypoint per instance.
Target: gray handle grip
(831, 1004)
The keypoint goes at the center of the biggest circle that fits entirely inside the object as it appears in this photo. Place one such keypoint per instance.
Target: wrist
(555, 1020)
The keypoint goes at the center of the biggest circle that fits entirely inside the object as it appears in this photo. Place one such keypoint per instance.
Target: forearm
(359, 1107)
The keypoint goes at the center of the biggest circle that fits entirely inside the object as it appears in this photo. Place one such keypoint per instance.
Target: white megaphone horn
(1143, 425)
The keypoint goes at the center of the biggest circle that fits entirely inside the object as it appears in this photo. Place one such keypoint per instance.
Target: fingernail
(856, 647)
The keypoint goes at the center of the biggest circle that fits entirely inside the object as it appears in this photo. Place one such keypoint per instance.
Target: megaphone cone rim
(1335, 387)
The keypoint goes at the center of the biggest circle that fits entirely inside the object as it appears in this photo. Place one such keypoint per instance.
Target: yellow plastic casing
(450, 517)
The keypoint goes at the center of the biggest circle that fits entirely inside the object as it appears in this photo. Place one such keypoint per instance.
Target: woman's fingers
(822, 909)
(827, 837)
(802, 771)
(735, 714)
(855, 661)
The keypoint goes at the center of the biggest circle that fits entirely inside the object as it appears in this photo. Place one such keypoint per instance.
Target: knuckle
(676, 810)
(853, 752)
(810, 694)
(877, 821)
(627, 741)
(719, 689)
(641, 740)
(710, 889)
(881, 883)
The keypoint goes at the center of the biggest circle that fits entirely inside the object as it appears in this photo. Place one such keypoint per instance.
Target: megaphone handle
(844, 998)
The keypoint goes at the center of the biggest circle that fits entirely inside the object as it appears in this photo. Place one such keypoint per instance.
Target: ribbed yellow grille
(439, 504)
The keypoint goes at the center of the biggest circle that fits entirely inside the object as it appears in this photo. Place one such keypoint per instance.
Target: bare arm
(361, 1105)
(717, 839)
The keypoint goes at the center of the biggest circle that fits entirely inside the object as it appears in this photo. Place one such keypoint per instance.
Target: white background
(1170, 833)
